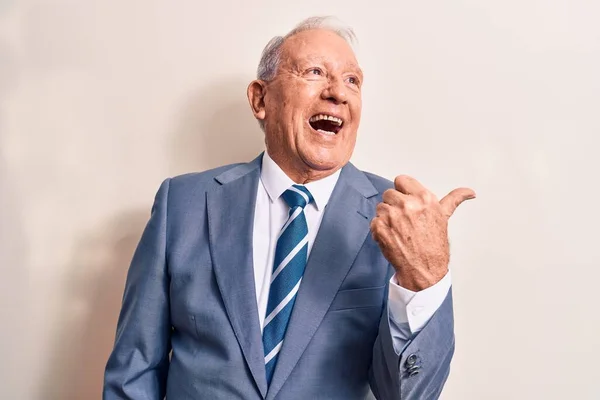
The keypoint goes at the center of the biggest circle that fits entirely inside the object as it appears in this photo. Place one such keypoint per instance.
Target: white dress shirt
(408, 311)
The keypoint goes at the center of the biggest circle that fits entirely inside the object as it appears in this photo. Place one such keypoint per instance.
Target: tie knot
(297, 196)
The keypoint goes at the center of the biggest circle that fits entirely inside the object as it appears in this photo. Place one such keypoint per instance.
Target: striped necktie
(290, 260)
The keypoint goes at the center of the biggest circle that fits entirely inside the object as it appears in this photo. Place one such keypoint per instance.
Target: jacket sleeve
(137, 367)
(423, 366)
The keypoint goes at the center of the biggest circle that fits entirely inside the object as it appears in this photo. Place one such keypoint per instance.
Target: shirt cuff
(416, 308)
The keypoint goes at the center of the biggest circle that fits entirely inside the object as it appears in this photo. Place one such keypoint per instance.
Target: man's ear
(256, 98)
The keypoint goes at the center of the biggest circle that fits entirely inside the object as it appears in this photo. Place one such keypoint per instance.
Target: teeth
(319, 117)
(326, 132)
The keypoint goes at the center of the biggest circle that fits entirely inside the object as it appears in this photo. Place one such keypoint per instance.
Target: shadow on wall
(93, 295)
(215, 127)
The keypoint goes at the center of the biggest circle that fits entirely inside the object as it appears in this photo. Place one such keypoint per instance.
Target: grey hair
(271, 55)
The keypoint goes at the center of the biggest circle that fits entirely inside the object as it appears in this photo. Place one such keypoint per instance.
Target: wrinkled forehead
(318, 46)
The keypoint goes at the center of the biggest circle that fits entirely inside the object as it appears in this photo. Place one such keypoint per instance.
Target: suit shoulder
(195, 183)
(380, 183)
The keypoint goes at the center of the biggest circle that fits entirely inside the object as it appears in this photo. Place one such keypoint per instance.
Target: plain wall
(102, 100)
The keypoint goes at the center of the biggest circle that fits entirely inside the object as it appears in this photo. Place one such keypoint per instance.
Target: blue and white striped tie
(290, 260)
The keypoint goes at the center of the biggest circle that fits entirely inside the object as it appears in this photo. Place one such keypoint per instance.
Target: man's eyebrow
(356, 67)
(320, 59)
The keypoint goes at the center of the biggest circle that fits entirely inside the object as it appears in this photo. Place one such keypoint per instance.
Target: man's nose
(335, 91)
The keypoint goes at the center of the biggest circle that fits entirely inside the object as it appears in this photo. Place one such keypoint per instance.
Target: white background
(102, 100)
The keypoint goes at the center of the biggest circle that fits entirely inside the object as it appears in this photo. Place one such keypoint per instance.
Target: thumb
(453, 199)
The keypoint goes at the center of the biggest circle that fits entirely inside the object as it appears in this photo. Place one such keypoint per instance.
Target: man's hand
(411, 228)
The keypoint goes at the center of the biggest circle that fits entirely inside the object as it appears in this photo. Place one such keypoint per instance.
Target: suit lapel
(231, 221)
(343, 230)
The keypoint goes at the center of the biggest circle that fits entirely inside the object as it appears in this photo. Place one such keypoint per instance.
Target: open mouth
(327, 124)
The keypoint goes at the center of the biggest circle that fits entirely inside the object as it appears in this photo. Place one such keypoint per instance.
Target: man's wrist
(416, 280)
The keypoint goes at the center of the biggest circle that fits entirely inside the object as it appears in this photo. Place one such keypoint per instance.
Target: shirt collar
(275, 182)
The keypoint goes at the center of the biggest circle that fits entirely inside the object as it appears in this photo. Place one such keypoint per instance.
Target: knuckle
(400, 179)
(388, 195)
(379, 224)
(390, 209)
(392, 212)
(386, 211)
(375, 223)
(412, 206)
(428, 197)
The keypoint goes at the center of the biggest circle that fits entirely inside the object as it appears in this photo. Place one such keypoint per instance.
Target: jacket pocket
(358, 298)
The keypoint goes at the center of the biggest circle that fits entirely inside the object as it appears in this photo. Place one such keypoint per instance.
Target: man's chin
(323, 163)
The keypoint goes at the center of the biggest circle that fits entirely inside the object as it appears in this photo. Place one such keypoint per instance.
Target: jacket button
(411, 360)
(413, 373)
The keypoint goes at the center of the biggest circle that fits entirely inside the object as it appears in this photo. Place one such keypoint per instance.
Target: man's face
(312, 107)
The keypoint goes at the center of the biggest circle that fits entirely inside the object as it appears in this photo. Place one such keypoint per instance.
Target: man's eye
(352, 80)
(315, 71)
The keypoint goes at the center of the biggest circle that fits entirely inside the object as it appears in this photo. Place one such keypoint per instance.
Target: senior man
(296, 275)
